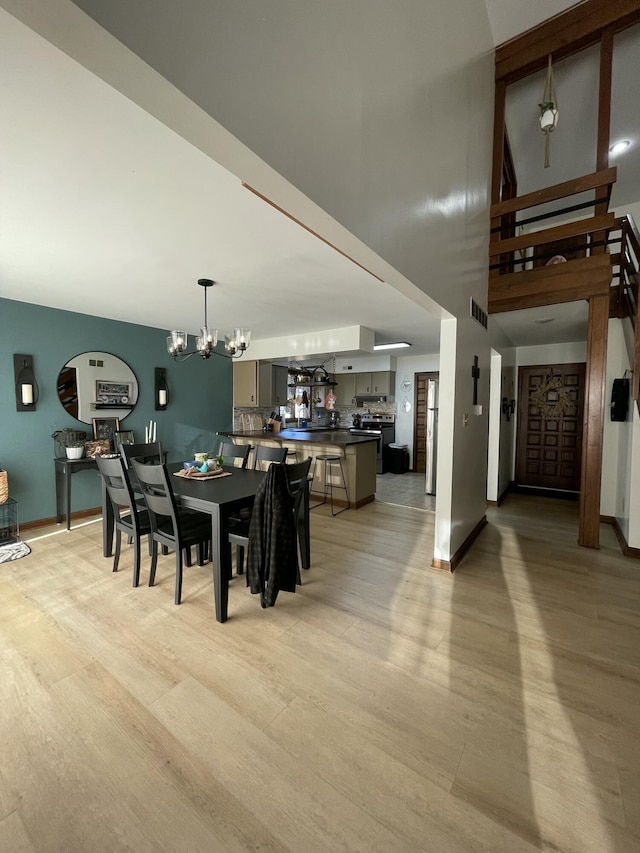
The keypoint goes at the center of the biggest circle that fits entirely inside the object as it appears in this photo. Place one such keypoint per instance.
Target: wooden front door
(549, 446)
(420, 421)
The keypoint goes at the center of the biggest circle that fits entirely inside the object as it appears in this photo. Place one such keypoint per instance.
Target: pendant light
(235, 344)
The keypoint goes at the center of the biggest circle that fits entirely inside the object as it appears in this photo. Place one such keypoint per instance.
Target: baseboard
(44, 522)
(545, 493)
(626, 549)
(502, 496)
(450, 565)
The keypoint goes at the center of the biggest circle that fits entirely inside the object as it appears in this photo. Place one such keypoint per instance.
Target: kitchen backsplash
(346, 414)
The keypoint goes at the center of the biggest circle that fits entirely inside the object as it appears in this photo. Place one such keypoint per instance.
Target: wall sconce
(27, 391)
(161, 389)
(508, 407)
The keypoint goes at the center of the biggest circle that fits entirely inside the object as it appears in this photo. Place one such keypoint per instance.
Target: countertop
(338, 436)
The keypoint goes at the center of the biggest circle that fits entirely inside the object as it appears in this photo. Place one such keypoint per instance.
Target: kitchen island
(357, 454)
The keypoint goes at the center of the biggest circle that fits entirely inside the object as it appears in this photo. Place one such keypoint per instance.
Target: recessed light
(396, 345)
(544, 320)
(619, 147)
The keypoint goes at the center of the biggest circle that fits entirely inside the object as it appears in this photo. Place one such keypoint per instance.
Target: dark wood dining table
(219, 498)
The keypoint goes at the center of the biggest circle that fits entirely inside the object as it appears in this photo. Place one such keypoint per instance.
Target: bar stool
(330, 461)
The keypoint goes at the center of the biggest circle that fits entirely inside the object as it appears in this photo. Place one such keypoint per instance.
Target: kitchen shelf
(310, 384)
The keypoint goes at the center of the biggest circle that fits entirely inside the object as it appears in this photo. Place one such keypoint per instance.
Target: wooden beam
(594, 409)
(306, 228)
(604, 101)
(570, 282)
(562, 36)
(557, 191)
(498, 141)
(551, 235)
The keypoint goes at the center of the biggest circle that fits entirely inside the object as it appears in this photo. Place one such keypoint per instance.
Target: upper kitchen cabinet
(379, 382)
(383, 382)
(259, 384)
(345, 390)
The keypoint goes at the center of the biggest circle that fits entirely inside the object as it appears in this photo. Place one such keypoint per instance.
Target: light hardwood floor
(383, 707)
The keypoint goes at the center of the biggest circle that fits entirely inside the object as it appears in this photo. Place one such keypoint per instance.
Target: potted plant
(75, 450)
(67, 437)
(548, 116)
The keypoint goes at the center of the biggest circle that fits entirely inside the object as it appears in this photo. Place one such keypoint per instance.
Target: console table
(65, 469)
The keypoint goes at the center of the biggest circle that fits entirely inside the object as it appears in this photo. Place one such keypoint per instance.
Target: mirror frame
(69, 387)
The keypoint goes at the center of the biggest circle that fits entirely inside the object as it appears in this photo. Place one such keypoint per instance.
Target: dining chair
(234, 454)
(134, 522)
(297, 483)
(147, 453)
(171, 526)
(263, 456)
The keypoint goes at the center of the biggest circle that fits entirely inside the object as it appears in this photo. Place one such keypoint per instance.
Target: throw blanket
(272, 554)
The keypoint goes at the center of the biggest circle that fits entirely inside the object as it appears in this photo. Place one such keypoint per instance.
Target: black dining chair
(134, 522)
(150, 453)
(171, 526)
(263, 456)
(234, 454)
(297, 483)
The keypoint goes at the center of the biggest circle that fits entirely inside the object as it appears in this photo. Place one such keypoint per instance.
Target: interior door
(549, 449)
(420, 421)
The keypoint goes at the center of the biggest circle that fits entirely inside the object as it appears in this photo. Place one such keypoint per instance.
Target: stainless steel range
(384, 427)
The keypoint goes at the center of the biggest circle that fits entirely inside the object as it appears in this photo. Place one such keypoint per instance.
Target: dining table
(220, 498)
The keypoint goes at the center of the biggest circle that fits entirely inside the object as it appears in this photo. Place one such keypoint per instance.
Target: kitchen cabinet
(383, 382)
(378, 382)
(272, 384)
(259, 384)
(345, 390)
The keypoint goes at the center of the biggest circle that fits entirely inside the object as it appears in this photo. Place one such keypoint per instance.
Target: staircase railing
(627, 289)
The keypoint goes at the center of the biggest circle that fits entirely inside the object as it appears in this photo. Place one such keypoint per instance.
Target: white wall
(551, 354)
(502, 431)
(614, 500)
(461, 481)
(621, 451)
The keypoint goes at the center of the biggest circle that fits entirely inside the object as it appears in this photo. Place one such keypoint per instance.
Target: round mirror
(97, 385)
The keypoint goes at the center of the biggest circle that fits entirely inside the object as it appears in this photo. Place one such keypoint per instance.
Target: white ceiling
(107, 211)
(509, 18)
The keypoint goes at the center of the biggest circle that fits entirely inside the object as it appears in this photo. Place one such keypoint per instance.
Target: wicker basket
(4, 486)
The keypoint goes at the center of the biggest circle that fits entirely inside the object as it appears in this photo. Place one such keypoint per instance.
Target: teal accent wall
(201, 398)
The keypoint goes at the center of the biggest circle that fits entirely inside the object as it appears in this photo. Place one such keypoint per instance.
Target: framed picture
(97, 448)
(113, 393)
(104, 428)
(123, 436)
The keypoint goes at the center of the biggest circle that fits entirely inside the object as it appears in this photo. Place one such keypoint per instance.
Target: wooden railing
(507, 253)
(626, 299)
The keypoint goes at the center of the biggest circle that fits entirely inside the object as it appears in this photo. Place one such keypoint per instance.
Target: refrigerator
(432, 436)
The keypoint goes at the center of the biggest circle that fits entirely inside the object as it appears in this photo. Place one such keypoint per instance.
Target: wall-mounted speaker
(620, 400)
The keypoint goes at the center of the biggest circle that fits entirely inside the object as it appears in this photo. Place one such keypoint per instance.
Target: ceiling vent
(478, 314)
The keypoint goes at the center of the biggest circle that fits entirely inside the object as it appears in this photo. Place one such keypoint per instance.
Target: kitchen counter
(335, 437)
(357, 454)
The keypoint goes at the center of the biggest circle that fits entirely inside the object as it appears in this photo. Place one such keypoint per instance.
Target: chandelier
(206, 342)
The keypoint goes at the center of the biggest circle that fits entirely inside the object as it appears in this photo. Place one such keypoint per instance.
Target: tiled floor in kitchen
(405, 490)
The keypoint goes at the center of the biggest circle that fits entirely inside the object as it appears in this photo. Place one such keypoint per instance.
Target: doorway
(549, 440)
